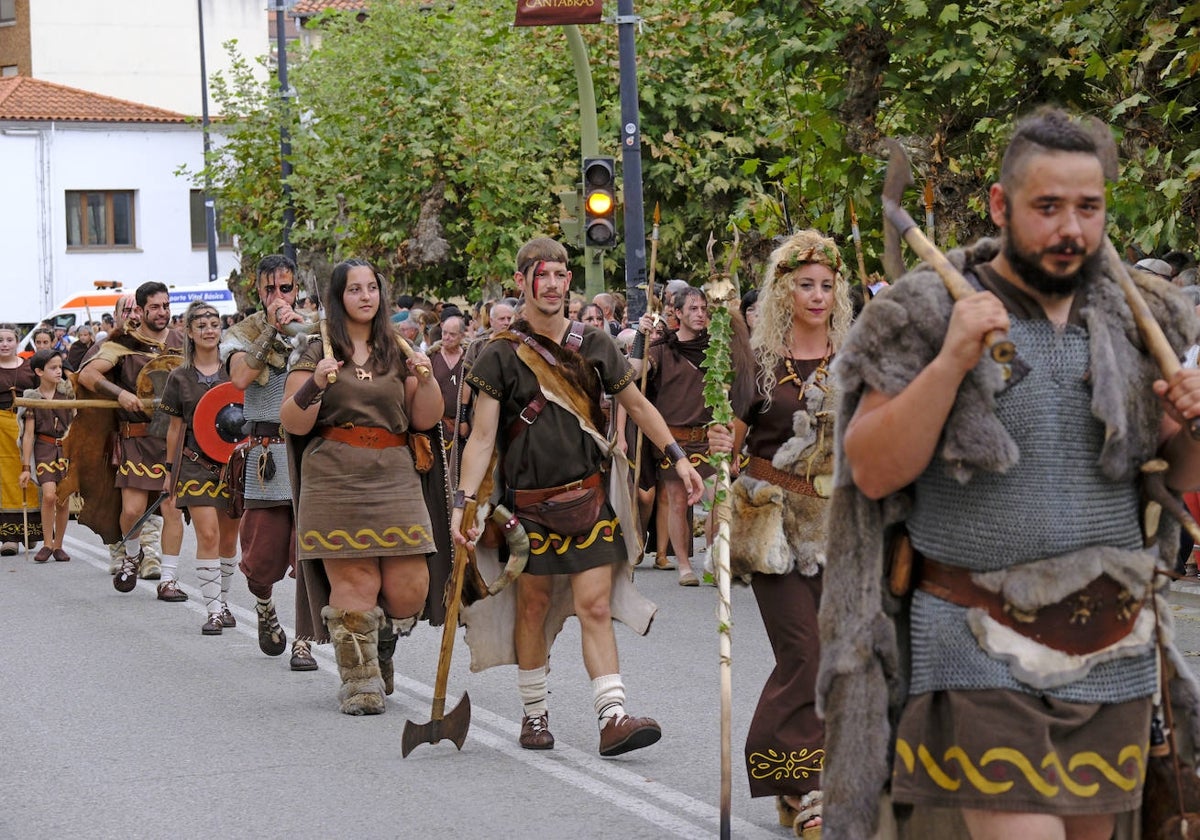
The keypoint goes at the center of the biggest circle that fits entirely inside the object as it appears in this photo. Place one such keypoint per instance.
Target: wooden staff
(326, 346)
(654, 305)
(930, 231)
(856, 235)
(409, 353)
(33, 402)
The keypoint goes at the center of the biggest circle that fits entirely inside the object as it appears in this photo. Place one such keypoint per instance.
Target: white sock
(209, 572)
(133, 546)
(608, 695)
(170, 566)
(532, 686)
(228, 564)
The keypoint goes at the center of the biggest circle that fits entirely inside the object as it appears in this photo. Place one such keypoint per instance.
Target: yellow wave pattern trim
(153, 471)
(695, 459)
(776, 764)
(192, 488)
(341, 540)
(1084, 789)
(59, 465)
(605, 529)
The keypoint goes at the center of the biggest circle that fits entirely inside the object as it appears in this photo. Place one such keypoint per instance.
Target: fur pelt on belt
(775, 530)
(862, 684)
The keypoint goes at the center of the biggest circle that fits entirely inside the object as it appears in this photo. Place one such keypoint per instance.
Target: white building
(141, 50)
(90, 193)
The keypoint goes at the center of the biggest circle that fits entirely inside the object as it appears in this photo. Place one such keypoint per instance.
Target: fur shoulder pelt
(862, 684)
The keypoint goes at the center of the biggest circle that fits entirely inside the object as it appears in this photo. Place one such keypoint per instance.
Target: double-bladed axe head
(896, 220)
(451, 727)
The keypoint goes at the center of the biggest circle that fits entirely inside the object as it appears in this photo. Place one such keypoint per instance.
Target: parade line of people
(946, 545)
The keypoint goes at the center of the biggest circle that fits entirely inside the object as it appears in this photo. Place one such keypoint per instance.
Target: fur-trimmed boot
(355, 638)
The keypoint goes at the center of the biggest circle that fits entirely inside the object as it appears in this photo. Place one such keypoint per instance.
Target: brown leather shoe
(168, 590)
(535, 732)
(61, 556)
(213, 626)
(227, 619)
(271, 638)
(126, 577)
(302, 658)
(625, 734)
(44, 554)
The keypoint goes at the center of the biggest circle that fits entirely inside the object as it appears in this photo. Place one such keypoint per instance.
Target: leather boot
(387, 648)
(355, 637)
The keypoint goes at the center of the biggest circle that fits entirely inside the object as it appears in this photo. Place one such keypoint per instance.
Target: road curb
(1185, 593)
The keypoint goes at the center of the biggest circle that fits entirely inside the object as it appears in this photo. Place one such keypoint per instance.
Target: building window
(8, 11)
(100, 219)
(199, 231)
(8, 70)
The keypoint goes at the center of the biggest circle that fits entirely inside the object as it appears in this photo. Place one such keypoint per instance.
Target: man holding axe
(1031, 614)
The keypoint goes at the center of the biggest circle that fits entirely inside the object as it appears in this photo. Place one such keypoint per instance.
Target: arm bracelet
(307, 394)
(674, 452)
(638, 350)
(256, 356)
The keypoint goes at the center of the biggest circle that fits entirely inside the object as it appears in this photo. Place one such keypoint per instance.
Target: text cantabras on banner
(558, 12)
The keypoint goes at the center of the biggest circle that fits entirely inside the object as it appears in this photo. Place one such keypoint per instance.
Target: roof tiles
(309, 8)
(24, 98)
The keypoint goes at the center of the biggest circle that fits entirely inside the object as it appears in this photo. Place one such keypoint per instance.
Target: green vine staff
(784, 407)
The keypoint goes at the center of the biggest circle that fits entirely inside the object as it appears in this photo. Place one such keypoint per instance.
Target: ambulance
(90, 306)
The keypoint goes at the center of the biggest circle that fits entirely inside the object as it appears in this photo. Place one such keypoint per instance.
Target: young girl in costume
(18, 506)
(42, 453)
(195, 479)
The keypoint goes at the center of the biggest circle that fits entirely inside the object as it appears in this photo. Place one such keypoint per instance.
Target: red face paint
(539, 268)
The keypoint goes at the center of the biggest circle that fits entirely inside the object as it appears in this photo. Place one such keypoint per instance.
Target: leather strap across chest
(537, 402)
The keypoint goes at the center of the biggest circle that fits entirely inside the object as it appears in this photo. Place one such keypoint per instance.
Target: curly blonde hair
(772, 330)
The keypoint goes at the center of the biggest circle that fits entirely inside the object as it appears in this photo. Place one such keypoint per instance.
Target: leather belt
(57, 441)
(1099, 615)
(524, 498)
(364, 437)
(201, 460)
(133, 430)
(689, 434)
(263, 429)
(764, 470)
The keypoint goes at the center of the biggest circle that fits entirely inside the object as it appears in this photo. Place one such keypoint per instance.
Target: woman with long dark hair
(360, 509)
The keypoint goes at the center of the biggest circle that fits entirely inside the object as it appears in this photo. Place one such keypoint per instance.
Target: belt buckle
(573, 485)
(528, 420)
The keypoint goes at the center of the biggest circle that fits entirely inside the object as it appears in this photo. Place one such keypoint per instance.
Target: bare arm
(422, 395)
(1181, 399)
(477, 456)
(297, 419)
(891, 440)
(27, 435)
(94, 377)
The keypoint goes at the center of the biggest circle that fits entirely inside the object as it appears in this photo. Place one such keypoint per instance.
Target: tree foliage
(430, 139)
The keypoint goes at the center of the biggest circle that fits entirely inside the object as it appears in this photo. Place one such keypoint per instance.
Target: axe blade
(451, 727)
(896, 181)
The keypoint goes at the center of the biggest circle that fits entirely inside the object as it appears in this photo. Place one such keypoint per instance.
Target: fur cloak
(863, 682)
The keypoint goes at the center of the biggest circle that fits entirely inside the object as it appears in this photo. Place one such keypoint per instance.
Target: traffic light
(599, 202)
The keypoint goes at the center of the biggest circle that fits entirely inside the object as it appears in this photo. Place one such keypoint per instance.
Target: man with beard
(255, 352)
(142, 462)
(1032, 668)
(675, 385)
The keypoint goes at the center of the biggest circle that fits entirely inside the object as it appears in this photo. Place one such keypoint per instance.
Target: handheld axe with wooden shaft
(452, 726)
(900, 223)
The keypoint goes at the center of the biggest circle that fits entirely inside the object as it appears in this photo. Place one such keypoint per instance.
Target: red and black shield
(219, 420)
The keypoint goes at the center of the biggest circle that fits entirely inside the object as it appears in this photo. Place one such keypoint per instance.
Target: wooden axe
(900, 224)
(452, 726)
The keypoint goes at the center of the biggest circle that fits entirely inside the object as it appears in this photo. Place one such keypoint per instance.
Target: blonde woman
(784, 427)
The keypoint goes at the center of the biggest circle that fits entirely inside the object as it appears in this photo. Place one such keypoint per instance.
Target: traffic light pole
(589, 146)
(631, 164)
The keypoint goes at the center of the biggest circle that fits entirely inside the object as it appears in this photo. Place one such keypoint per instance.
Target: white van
(90, 306)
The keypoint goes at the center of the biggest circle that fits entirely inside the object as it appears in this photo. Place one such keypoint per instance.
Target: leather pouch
(571, 513)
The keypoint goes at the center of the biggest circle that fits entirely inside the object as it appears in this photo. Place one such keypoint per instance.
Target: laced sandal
(808, 817)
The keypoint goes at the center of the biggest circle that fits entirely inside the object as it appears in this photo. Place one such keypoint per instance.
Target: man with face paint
(1031, 624)
(546, 453)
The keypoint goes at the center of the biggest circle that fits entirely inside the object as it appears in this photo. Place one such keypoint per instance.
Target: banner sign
(558, 12)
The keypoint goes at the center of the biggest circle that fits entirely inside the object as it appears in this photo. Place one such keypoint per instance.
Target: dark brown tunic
(357, 502)
(198, 482)
(675, 385)
(49, 465)
(554, 450)
(785, 744)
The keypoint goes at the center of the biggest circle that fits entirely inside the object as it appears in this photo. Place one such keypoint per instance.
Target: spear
(639, 351)
(929, 227)
(856, 235)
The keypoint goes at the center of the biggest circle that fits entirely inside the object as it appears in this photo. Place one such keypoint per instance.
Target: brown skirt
(1003, 750)
(785, 747)
(142, 463)
(49, 462)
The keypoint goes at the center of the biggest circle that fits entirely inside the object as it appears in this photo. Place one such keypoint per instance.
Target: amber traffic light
(599, 202)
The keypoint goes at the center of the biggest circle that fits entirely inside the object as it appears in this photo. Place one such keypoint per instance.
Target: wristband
(674, 452)
(638, 351)
(307, 394)
(460, 499)
(256, 356)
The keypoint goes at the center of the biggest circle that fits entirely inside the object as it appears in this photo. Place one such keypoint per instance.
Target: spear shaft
(856, 235)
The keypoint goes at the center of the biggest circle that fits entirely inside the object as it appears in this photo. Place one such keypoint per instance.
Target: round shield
(218, 421)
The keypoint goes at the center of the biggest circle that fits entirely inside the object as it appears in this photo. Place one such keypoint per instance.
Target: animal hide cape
(862, 684)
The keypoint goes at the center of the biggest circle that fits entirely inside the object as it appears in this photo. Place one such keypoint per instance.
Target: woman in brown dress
(360, 510)
(42, 452)
(784, 409)
(18, 505)
(195, 478)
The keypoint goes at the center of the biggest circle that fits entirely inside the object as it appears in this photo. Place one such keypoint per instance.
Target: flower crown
(825, 254)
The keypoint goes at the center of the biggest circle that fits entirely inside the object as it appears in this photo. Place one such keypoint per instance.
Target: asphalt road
(120, 720)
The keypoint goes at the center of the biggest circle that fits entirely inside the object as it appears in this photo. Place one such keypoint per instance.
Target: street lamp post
(210, 211)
